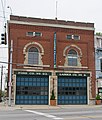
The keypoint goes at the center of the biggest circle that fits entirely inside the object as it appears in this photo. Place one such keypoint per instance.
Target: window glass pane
(76, 37)
(72, 52)
(30, 33)
(69, 36)
(33, 56)
(33, 49)
(72, 58)
(101, 64)
(75, 92)
(32, 90)
(38, 34)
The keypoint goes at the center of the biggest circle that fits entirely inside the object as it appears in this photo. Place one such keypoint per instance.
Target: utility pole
(1, 79)
(10, 73)
(2, 75)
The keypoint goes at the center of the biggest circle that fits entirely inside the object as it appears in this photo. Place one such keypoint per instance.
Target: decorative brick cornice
(51, 23)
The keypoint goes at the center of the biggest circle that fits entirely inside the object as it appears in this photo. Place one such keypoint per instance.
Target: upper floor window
(98, 42)
(33, 56)
(69, 37)
(29, 33)
(73, 37)
(37, 33)
(76, 37)
(34, 34)
(72, 58)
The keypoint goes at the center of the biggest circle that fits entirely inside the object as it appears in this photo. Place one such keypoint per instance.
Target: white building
(98, 57)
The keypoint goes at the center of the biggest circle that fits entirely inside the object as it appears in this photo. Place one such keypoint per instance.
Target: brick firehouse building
(51, 54)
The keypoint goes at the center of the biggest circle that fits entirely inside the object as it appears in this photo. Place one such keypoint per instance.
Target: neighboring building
(52, 55)
(98, 57)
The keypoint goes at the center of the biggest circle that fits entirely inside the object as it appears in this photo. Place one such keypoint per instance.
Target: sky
(70, 10)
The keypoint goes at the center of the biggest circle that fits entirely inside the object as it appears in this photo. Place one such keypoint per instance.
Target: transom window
(38, 34)
(29, 33)
(69, 37)
(73, 37)
(76, 37)
(34, 34)
(33, 56)
(72, 58)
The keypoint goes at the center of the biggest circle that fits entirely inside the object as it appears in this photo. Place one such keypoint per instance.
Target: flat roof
(51, 22)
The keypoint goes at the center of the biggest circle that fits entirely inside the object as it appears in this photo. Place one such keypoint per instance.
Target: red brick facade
(19, 26)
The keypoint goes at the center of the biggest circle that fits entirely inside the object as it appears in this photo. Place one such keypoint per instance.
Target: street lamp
(10, 9)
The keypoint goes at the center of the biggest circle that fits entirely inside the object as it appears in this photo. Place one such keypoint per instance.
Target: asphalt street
(59, 113)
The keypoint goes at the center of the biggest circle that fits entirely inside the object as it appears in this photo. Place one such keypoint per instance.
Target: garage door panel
(72, 90)
(32, 90)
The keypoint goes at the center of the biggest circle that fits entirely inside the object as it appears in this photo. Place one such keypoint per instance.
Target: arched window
(72, 58)
(33, 56)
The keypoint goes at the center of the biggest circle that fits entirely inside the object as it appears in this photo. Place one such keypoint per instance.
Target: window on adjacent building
(33, 56)
(98, 42)
(72, 58)
(101, 64)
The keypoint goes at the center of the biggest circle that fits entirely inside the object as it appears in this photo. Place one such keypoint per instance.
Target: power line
(31, 65)
(16, 48)
(4, 20)
(5, 12)
(3, 9)
(3, 57)
(2, 17)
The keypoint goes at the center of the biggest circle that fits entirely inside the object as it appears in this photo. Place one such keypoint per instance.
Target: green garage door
(32, 90)
(72, 90)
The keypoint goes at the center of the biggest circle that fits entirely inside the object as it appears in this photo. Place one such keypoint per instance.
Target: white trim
(31, 70)
(51, 25)
(88, 82)
(14, 89)
(72, 67)
(67, 47)
(49, 90)
(32, 65)
(33, 43)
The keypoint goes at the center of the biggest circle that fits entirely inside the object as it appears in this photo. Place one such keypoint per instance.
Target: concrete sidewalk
(4, 106)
